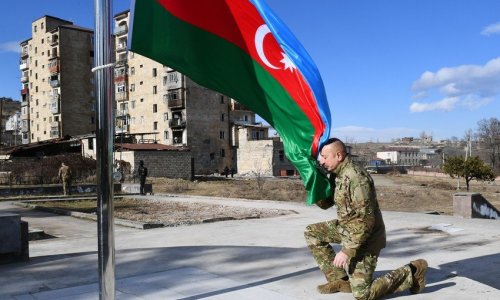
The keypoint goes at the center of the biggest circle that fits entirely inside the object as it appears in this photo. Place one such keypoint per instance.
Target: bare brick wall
(170, 164)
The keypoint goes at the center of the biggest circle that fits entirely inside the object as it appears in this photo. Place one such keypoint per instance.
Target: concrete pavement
(247, 259)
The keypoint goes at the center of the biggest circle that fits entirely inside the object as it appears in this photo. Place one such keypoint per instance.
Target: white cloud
(10, 47)
(469, 86)
(473, 103)
(359, 134)
(491, 29)
(447, 104)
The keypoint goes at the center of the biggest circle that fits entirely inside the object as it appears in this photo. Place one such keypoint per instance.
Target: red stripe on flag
(237, 22)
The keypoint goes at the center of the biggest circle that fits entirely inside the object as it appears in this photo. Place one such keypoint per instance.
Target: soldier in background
(142, 171)
(65, 176)
(359, 229)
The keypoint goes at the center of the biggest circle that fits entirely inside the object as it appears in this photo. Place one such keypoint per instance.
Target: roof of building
(148, 147)
(42, 148)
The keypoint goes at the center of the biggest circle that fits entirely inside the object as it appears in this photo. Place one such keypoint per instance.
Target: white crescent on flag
(260, 34)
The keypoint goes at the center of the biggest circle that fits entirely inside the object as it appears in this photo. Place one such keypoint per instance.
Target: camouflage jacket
(65, 173)
(360, 220)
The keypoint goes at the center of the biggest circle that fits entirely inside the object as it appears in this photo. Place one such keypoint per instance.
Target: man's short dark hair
(330, 141)
(335, 140)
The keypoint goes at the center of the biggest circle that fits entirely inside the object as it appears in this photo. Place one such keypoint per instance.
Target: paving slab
(246, 259)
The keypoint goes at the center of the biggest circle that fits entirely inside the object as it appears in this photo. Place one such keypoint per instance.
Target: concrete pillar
(473, 205)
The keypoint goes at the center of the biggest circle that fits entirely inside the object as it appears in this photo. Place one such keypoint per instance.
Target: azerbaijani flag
(240, 48)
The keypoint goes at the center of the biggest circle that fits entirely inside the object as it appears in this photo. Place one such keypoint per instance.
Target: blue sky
(391, 68)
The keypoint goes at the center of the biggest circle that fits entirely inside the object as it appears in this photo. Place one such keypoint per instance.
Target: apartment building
(158, 104)
(10, 117)
(57, 83)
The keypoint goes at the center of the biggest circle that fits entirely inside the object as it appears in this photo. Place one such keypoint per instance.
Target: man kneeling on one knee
(359, 229)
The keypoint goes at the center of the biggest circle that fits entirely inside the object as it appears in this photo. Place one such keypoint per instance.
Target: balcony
(24, 52)
(122, 114)
(122, 129)
(120, 30)
(121, 78)
(54, 66)
(237, 106)
(25, 91)
(24, 103)
(120, 96)
(121, 47)
(23, 65)
(54, 83)
(25, 127)
(54, 41)
(177, 123)
(55, 97)
(176, 103)
(25, 78)
(122, 61)
(54, 130)
(54, 106)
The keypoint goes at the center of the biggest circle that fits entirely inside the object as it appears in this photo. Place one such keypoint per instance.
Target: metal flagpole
(103, 74)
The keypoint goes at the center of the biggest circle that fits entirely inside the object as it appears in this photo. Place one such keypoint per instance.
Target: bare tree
(489, 136)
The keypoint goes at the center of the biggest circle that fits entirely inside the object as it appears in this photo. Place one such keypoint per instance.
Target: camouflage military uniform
(360, 231)
(65, 176)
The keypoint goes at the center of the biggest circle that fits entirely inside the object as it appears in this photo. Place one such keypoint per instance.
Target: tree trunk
(467, 180)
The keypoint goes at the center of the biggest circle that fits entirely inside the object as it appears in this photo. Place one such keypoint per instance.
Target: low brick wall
(169, 164)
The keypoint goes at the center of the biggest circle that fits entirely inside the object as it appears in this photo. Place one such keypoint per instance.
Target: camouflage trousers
(360, 269)
(66, 187)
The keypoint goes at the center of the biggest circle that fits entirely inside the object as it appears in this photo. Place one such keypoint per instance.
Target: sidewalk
(247, 259)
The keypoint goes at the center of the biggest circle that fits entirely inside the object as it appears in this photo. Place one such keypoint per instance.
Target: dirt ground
(395, 192)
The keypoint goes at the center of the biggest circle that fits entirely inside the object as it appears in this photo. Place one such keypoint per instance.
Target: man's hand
(340, 260)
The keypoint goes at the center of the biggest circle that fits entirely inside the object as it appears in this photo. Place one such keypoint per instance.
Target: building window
(222, 153)
(42, 41)
(155, 108)
(165, 116)
(41, 25)
(154, 89)
(132, 71)
(142, 99)
(91, 143)
(155, 125)
(120, 88)
(173, 95)
(212, 156)
(165, 135)
(132, 104)
(282, 155)
(222, 117)
(221, 135)
(34, 28)
(221, 99)
(132, 87)
(154, 72)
